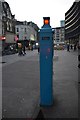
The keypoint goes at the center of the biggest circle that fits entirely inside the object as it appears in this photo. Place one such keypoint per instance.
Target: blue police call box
(46, 63)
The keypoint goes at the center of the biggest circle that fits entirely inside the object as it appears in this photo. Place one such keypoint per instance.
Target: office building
(72, 24)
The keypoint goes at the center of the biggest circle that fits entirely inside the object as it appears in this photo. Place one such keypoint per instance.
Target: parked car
(58, 47)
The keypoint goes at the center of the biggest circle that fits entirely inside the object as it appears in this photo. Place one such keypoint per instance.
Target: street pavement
(65, 87)
(20, 93)
(20, 86)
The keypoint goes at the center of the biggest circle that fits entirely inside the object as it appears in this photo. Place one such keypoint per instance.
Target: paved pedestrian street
(21, 88)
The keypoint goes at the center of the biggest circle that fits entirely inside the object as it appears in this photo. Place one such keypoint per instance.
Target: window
(17, 29)
(10, 27)
(25, 38)
(7, 25)
(25, 30)
(18, 36)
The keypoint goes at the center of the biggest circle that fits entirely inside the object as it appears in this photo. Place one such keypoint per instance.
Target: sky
(35, 10)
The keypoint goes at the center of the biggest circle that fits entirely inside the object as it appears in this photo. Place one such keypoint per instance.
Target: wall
(30, 31)
(10, 38)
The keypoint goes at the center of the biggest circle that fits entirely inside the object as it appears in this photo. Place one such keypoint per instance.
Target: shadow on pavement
(40, 116)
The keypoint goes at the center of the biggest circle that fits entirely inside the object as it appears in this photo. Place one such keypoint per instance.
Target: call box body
(46, 65)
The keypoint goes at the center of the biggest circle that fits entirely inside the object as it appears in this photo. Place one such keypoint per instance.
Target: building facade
(72, 24)
(59, 35)
(62, 23)
(1, 25)
(7, 25)
(0, 19)
(26, 32)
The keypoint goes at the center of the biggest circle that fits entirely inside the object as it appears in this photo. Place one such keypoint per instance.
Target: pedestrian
(78, 55)
(74, 47)
(32, 47)
(19, 49)
(24, 50)
(79, 61)
(38, 49)
(71, 47)
(68, 47)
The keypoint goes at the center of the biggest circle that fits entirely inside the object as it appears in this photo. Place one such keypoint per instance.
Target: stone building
(26, 32)
(59, 35)
(7, 24)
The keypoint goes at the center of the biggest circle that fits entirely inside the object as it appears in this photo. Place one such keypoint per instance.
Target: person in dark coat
(19, 49)
(71, 47)
(74, 47)
(38, 49)
(68, 47)
(24, 50)
(78, 56)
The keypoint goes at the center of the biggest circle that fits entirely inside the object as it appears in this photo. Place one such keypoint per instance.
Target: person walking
(38, 49)
(74, 47)
(24, 50)
(71, 47)
(79, 56)
(19, 49)
(68, 47)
